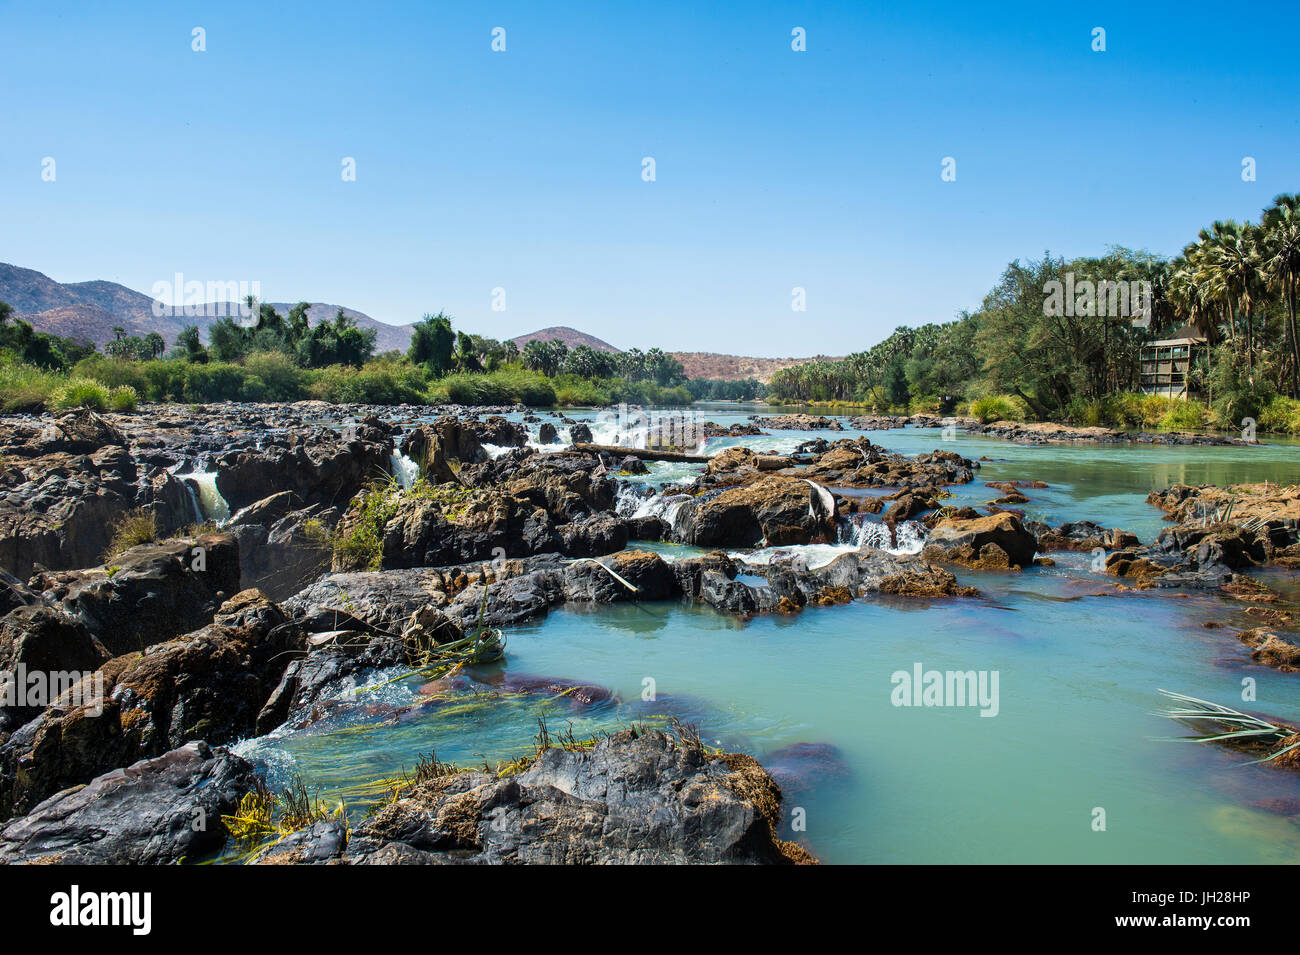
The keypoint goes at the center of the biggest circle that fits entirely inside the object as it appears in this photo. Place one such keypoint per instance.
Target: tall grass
(992, 408)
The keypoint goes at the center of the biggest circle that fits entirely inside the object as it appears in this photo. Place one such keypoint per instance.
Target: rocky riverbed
(297, 549)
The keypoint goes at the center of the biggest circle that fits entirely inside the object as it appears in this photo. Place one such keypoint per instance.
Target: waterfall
(909, 536)
(210, 504)
(404, 470)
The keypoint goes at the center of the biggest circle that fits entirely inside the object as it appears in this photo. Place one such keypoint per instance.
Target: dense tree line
(437, 347)
(19, 342)
(1236, 283)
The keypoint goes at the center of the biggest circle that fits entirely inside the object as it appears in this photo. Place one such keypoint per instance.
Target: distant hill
(703, 364)
(570, 336)
(88, 311)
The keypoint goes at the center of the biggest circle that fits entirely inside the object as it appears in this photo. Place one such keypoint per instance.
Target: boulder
(154, 812)
(995, 541)
(62, 510)
(208, 685)
(151, 592)
(648, 572)
(776, 509)
(632, 798)
(37, 639)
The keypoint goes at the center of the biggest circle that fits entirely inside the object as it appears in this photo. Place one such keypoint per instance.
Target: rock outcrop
(632, 798)
(994, 542)
(157, 811)
(209, 685)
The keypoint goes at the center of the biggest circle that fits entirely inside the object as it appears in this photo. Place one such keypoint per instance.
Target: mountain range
(89, 311)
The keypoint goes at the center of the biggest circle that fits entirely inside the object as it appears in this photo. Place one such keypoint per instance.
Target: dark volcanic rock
(155, 812)
(211, 685)
(151, 592)
(998, 541)
(648, 572)
(322, 467)
(775, 509)
(40, 639)
(645, 799)
(60, 510)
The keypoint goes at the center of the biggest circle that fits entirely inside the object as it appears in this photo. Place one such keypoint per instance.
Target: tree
(190, 345)
(1280, 250)
(432, 343)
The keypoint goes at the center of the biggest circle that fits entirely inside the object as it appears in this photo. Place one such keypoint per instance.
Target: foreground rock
(1046, 432)
(798, 422)
(210, 685)
(1264, 519)
(61, 492)
(321, 466)
(41, 640)
(519, 506)
(633, 798)
(149, 593)
(154, 812)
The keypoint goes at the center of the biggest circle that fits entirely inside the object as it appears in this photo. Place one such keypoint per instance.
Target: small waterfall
(627, 501)
(406, 471)
(210, 504)
(196, 510)
(908, 538)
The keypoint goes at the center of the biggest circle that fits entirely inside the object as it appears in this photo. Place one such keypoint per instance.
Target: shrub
(379, 383)
(993, 408)
(26, 388)
(1183, 416)
(1282, 414)
(135, 527)
(113, 372)
(79, 393)
(123, 398)
(215, 381)
(165, 379)
(278, 378)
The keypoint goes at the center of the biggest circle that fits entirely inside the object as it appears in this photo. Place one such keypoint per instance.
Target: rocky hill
(89, 311)
(570, 336)
(735, 367)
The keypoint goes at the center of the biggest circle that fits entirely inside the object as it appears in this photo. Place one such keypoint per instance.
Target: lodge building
(1167, 363)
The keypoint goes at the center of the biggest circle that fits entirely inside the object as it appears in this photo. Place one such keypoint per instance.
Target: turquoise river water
(1077, 727)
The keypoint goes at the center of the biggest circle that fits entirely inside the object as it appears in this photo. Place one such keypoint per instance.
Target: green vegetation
(1236, 285)
(718, 389)
(282, 358)
(359, 544)
(133, 528)
(264, 818)
(79, 393)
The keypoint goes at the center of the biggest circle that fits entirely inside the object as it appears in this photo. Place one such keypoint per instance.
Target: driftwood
(763, 462)
(645, 454)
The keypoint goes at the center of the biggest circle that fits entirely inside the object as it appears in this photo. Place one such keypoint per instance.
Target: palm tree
(1281, 262)
(155, 344)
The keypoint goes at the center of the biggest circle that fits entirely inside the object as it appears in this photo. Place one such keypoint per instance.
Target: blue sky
(522, 169)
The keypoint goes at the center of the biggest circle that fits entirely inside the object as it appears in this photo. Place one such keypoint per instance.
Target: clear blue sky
(522, 169)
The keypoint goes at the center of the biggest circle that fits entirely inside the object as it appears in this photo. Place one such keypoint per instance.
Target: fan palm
(1280, 248)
